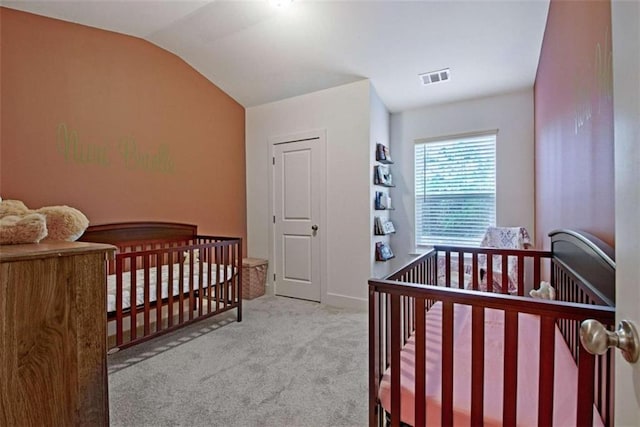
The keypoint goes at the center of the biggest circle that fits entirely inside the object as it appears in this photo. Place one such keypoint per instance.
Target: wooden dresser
(53, 368)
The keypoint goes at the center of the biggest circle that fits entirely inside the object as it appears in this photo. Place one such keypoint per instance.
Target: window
(455, 193)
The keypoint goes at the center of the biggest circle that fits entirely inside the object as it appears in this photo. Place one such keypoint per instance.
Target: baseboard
(344, 301)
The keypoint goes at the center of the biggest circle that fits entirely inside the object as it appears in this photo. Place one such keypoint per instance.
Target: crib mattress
(165, 286)
(566, 372)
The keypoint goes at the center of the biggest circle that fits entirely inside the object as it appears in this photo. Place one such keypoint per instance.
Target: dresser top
(9, 253)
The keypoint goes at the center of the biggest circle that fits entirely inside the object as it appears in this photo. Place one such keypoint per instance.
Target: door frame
(321, 136)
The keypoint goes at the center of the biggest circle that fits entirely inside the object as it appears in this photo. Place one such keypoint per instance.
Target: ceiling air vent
(435, 76)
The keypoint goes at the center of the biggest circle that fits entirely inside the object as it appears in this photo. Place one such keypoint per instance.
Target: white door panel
(297, 186)
(298, 167)
(626, 97)
(297, 258)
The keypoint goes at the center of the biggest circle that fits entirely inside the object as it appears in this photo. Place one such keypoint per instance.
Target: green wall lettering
(160, 161)
(604, 72)
(585, 95)
(69, 145)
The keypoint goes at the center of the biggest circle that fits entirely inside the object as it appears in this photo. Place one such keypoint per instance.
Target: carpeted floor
(288, 363)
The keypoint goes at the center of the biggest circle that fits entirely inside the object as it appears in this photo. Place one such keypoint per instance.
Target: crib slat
(406, 327)
(387, 331)
(147, 296)
(159, 291)
(447, 268)
(505, 274)
(395, 360)
(237, 290)
(181, 294)
(200, 268)
(225, 263)
(489, 276)
(474, 270)
(172, 261)
(191, 290)
(119, 330)
(461, 269)
(133, 286)
(586, 366)
(520, 275)
(477, 369)
(210, 282)
(447, 363)
(546, 371)
(536, 270)
(420, 362)
(509, 407)
(218, 275)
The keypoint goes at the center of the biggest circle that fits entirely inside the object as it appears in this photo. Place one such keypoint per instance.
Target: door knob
(314, 227)
(596, 339)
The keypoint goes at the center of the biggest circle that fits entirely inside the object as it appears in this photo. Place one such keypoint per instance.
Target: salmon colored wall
(573, 96)
(116, 127)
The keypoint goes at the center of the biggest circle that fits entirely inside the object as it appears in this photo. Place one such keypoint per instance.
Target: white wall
(344, 112)
(511, 114)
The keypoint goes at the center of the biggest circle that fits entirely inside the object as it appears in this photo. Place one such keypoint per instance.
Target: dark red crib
(452, 355)
(166, 276)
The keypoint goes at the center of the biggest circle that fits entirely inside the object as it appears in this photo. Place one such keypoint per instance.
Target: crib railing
(568, 288)
(397, 309)
(186, 265)
(461, 265)
(444, 265)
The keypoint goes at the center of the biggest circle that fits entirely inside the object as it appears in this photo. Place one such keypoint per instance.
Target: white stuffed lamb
(546, 291)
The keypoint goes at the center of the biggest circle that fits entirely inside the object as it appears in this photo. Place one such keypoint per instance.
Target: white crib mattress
(165, 286)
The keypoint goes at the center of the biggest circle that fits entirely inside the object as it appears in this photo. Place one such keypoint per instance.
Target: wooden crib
(426, 341)
(166, 276)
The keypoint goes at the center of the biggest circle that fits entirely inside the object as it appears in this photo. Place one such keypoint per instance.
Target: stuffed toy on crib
(546, 291)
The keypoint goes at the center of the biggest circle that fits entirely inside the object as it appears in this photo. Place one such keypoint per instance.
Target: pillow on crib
(545, 291)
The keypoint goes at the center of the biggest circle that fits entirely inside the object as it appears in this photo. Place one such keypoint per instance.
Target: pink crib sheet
(565, 384)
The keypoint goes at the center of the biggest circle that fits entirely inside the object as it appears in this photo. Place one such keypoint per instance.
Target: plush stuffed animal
(19, 224)
(12, 207)
(64, 222)
(546, 291)
(29, 228)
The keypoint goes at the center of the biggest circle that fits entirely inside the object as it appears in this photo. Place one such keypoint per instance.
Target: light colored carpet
(288, 363)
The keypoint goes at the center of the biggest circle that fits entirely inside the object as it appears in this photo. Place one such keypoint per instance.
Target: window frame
(420, 242)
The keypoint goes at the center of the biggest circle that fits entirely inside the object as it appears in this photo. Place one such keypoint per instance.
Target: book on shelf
(382, 201)
(382, 227)
(382, 175)
(383, 251)
(382, 153)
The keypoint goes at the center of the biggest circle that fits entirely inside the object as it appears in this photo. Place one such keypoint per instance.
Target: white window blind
(455, 190)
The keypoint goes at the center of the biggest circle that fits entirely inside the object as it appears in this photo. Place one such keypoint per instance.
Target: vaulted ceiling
(259, 53)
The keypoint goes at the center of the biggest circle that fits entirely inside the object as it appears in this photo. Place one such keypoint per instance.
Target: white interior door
(626, 96)
(298, 167)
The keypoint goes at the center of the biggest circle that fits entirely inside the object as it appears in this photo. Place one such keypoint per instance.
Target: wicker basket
(254, 277)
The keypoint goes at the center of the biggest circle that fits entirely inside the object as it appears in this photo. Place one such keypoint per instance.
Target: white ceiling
(258, 53)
